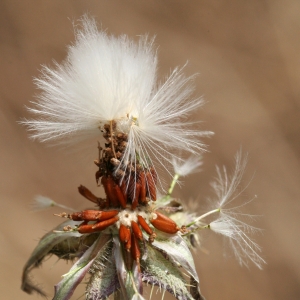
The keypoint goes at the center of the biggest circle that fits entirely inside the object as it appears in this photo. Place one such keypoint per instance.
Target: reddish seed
(128, 245)
(143, 191)
(108, 185)
(135, 249)
(87, 194)
(131, 186)
(93, 215)
(136, 230)
(151, 186)
(120, 196)
(85, 228)
(154, 175)
(104, 224)
(164, 223)
(124, 233)
(162, 217)
(144, 225)
(165, 226)
(124, 188)
(135, 201)
(109, 214)
(75, 216)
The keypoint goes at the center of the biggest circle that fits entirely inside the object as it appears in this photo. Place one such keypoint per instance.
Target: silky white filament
(107, 78)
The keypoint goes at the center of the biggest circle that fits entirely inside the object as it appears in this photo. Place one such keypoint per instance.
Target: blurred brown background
(247, 54)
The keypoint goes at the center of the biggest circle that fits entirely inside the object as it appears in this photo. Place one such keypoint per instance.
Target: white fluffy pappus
(188, 166)
(42, 203)
(107, 78)
(237, 232)
(231, 221)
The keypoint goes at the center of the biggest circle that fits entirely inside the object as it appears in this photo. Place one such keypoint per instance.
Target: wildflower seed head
(231, 221)
(109, 81)
(107, 89)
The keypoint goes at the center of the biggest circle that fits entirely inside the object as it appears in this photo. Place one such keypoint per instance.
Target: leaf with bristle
(65, 288)
(104, 279)
(159, 271)
(176, 249)
(47, 245)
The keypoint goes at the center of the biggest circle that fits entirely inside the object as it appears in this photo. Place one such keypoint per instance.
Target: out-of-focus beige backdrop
(247, 54)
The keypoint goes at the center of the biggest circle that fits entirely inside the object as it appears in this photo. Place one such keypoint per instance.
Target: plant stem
(171, 188)
(62, 206)
(204, 215)
(174, 181)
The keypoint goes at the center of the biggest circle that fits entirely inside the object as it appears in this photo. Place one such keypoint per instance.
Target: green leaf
(157, 270)
(130, 280)
(65, 288)
(47, 243)
(176, 249)
(104, 279)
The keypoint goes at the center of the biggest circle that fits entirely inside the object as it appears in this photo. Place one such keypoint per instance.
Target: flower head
(119, 250)
(106, 88)
(113, 79)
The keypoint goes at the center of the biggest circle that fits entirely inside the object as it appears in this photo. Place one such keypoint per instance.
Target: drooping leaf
(195, 289)
(46, 245)
(65, 288)
(74, 246)
(104, 279)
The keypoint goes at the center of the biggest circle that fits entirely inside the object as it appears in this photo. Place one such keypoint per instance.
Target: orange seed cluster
(129, 189)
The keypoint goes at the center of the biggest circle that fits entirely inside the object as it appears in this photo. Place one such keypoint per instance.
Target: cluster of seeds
(130, 191)
(137, 184)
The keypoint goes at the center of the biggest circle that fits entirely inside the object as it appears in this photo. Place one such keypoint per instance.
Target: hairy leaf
(104, 279)
(65, 288)
(176, 249)
(159, 271)
(45, 247)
